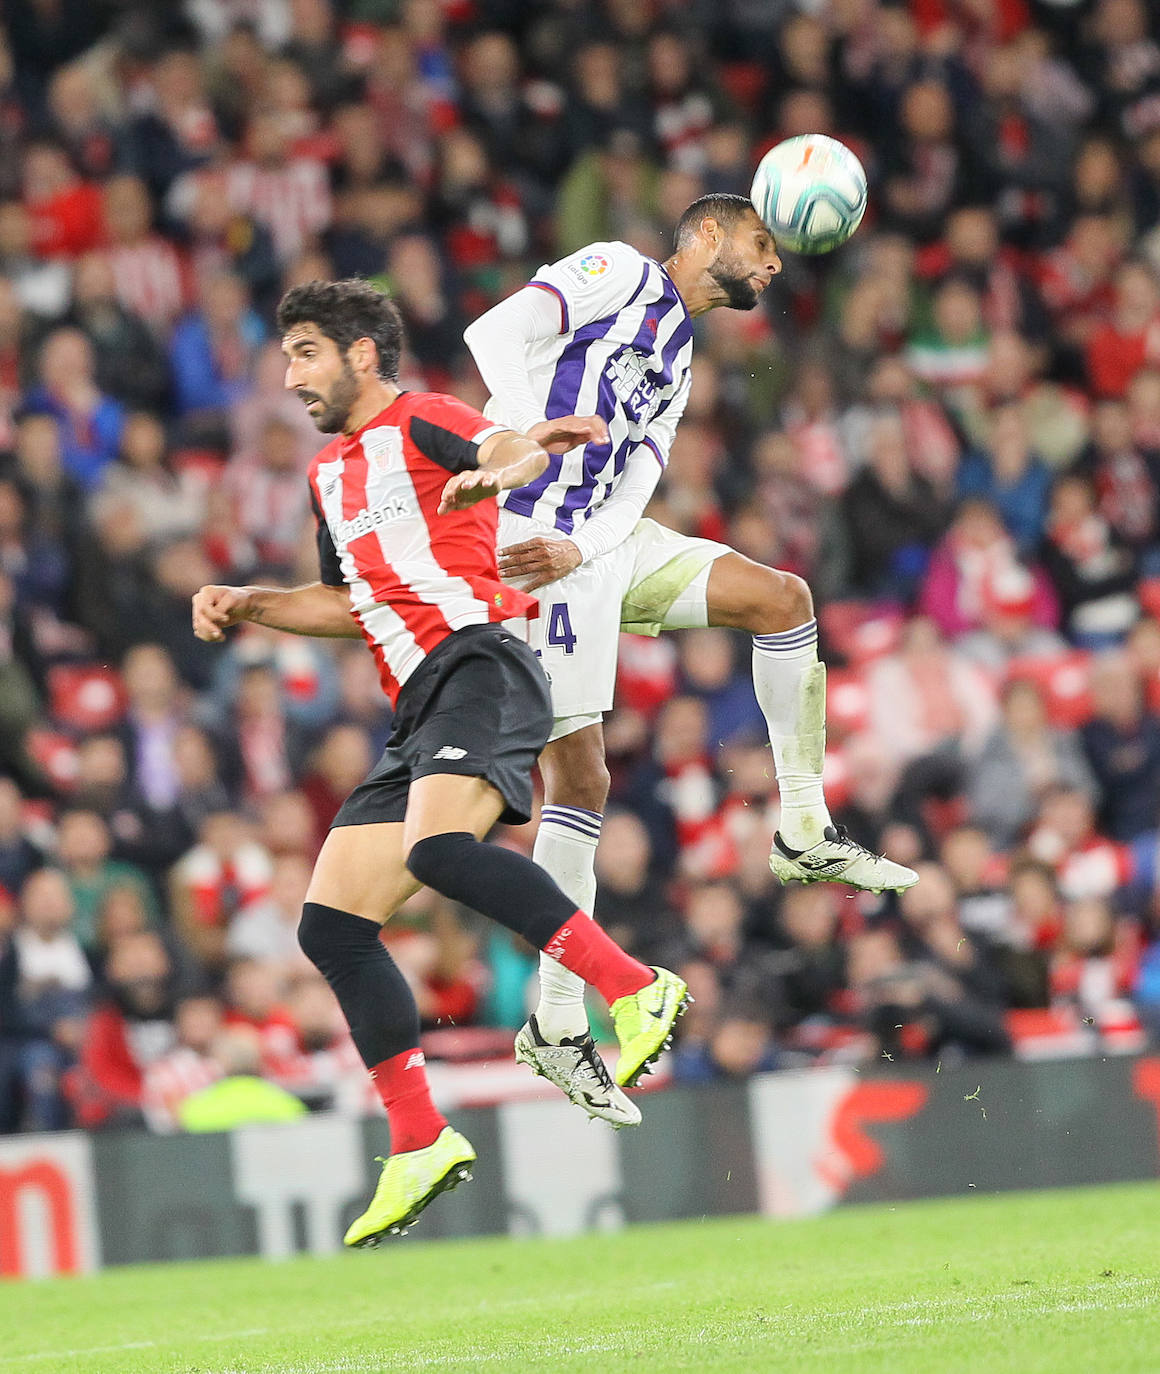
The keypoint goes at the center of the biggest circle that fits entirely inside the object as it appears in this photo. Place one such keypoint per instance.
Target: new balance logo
(450, 752)
(414, 1061)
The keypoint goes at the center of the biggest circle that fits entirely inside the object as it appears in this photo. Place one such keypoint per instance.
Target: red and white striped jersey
(414, 576)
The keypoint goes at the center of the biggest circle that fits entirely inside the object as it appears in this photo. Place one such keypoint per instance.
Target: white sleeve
(499, 341)
(615, 520)
(593, 283)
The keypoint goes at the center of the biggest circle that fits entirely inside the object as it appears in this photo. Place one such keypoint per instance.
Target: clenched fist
(215, 609)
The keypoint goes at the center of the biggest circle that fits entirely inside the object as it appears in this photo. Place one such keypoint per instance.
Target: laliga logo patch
(594, 265)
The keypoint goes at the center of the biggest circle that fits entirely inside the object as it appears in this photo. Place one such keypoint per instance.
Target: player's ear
(711, 229)
(363, 355)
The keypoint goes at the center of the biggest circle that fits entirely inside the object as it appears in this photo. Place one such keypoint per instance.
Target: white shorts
(654, 581)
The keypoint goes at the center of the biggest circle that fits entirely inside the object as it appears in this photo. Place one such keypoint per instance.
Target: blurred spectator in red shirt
(1130, 339)
(131, 1028)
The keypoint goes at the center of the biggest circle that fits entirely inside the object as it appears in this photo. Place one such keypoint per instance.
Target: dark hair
(724, 207)
(346, 311)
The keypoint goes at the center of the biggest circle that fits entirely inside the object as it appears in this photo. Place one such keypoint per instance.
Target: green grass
(1063, 1283)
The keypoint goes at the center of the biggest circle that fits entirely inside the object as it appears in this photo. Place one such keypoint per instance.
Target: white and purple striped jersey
(623, 352)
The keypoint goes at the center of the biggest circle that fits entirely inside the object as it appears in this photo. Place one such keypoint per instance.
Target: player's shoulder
(605, 264)
(431, 405)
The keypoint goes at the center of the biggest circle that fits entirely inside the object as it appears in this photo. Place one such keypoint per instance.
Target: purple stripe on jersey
(651, 443)
(555, 290)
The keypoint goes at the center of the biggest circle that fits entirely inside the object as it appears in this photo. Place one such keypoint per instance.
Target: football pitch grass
(1058, 1282)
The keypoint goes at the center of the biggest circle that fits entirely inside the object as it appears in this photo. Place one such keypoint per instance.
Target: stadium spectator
(1019, 762)
(1122, 745)
(46, 989)
(90, 421)
(130, 1028)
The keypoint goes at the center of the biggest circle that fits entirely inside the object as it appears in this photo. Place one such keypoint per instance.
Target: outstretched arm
(316, 609)
(508, 460)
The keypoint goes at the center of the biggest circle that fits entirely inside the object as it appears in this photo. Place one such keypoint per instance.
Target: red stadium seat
(847, 702)
(85, 696)
(1149, 593)
(1064, 680)
(860, 631)
(55, 755)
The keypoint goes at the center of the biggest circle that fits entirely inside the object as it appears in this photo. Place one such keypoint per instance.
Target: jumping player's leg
(776, 608)
(671, 590)
(575, 790)
(362, 876)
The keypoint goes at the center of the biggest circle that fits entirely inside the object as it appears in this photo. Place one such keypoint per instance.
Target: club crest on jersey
(383, 447)
(632, 385)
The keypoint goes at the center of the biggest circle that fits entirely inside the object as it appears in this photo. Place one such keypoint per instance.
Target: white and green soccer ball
(811, 192)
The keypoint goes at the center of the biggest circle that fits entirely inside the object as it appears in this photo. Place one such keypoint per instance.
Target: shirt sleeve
(613, 521)
(329, 567)
(499, 342)
(450, 432)
(594, 282)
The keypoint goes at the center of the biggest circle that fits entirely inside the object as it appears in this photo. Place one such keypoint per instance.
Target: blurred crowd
(951, 428)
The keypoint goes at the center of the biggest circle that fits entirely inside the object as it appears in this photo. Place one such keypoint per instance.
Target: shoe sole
(804, 876)
(525, 1054)
(459, 1172)
(646, 1065)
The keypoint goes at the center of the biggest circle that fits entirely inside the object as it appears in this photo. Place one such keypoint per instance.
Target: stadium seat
(847, 702)
(1149, 593)
(1064, 680)
(85, 696)
(860, 631)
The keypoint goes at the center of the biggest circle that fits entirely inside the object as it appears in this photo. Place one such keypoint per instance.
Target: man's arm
(544, 559)
(316, 609)
(508, 460)
(499, 341)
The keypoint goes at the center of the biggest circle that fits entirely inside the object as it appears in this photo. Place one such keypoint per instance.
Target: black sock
(493, 881)
(375, 999)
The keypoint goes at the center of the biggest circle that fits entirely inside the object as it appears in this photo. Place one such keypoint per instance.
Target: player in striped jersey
(404, 497)
(610, 331)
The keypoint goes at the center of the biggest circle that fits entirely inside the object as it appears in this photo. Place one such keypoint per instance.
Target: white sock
(791, 690)
(566, 848)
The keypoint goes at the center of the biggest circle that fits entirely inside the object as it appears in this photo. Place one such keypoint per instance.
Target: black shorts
(478, 705)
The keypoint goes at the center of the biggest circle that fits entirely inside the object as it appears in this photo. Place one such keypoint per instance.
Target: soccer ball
(811, 191)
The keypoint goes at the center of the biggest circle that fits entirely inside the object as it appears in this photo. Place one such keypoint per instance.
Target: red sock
(583, 948)
(402, 1084)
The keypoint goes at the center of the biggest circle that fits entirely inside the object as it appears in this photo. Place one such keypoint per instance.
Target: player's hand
(539, 561)
(569, 431)
(468, 488)
(215, 609)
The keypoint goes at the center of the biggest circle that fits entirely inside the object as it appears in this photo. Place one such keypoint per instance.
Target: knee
(574, 770)
(313, 931)
(776, 601)
(435, 858)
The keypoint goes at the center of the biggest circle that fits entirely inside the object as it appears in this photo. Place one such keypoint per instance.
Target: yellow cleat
(408, 1183)
(644, 1024)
